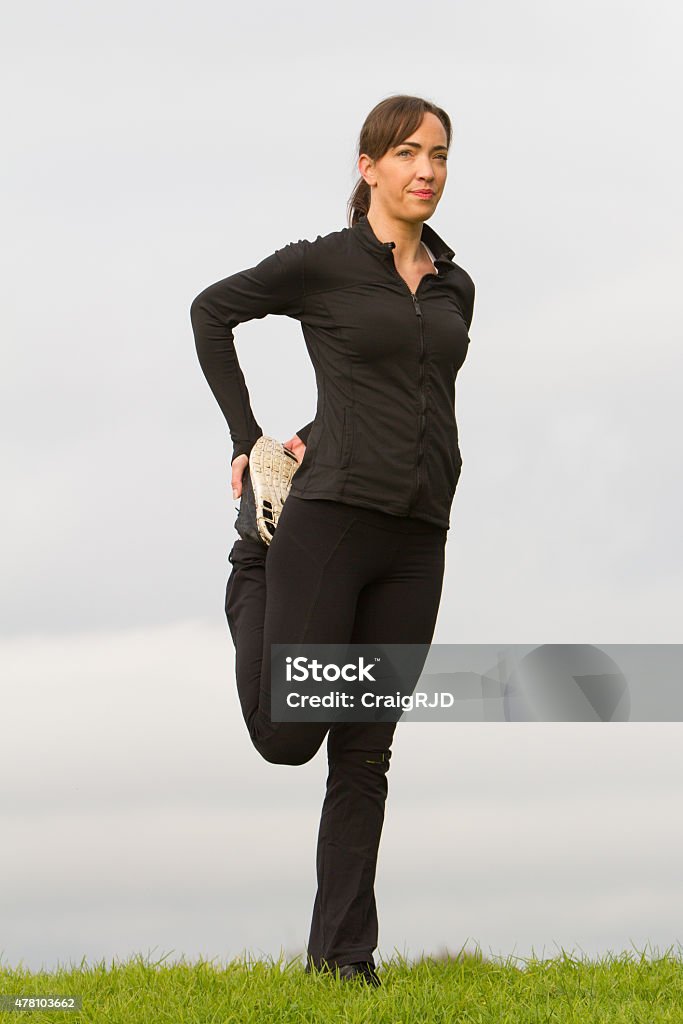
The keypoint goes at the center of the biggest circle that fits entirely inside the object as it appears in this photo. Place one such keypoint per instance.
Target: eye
(403, 152)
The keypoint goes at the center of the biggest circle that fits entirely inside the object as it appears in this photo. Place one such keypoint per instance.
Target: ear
(366, 169)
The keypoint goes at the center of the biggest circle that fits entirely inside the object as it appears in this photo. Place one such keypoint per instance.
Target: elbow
(207, 311)
(196, 308)
(200, 319)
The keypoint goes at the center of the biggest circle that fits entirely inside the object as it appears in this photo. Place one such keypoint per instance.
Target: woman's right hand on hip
(238, 467)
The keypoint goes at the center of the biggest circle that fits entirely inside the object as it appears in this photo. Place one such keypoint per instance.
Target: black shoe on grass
(363, 972)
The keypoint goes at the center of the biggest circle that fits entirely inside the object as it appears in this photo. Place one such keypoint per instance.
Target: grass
(465, 988)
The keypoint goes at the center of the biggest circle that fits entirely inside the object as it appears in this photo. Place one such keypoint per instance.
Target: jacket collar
(369, 240)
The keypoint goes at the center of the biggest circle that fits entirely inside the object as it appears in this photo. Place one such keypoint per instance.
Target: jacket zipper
(423, 403)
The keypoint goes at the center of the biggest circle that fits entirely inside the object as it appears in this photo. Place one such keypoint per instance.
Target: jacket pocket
(347, 437)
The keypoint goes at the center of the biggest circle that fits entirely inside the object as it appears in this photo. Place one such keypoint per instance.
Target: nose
(425, 170)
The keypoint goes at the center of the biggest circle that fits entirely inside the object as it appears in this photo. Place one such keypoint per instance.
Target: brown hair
(387, 125)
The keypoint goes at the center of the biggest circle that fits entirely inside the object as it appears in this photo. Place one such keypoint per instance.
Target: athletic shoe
(272, 468)
(245, 524)
(363, 972)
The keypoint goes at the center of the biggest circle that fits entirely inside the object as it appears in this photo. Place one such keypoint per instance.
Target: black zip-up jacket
(384, 434)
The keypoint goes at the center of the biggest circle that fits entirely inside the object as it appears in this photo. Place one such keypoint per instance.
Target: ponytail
(359, 203)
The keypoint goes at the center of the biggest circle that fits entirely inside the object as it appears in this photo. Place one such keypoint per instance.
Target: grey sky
(155, 149)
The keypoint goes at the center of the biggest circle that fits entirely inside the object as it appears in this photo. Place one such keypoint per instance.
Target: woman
(357, 554)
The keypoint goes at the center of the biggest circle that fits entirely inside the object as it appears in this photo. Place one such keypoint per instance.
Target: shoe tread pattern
(272, 468)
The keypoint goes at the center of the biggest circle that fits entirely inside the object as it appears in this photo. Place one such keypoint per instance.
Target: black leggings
(334, 573)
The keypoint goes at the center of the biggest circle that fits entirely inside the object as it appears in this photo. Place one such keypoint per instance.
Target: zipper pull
(416, 304)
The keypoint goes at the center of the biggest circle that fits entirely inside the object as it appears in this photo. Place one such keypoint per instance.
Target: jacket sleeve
(276, 285)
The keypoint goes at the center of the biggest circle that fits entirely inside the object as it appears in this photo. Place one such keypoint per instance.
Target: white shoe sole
(271, 467)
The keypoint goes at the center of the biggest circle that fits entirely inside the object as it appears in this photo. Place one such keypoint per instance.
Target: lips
(423, 193)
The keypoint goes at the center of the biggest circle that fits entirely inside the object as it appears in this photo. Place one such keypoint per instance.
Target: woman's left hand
(297, 447)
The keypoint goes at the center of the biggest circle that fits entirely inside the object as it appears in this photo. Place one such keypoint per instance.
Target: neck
(405, 234)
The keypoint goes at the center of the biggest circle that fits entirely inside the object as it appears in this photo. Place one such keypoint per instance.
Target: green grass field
(463, 987)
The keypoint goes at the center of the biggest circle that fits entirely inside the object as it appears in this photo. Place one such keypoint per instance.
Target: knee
(369, 760)
(366, 771)
(276, 753)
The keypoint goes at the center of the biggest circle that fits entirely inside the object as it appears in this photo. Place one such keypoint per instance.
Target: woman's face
(408, 181)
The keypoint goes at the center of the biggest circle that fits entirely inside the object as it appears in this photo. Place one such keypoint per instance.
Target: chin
(421, 216)
(423, 211)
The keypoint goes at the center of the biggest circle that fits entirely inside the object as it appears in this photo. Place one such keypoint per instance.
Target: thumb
(238, 467)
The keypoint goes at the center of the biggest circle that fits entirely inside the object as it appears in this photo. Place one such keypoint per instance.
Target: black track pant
(334, 573)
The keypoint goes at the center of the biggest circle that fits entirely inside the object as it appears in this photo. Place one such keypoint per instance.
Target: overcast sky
(152, 149)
